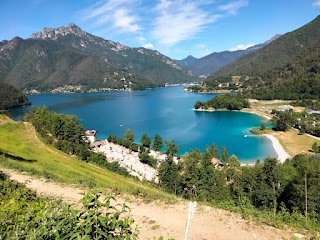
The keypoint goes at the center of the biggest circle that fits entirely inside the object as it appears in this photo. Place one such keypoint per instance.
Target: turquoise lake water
(166, 111)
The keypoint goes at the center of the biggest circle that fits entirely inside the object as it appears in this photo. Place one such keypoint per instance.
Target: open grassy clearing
(21, 149)
(295, 143)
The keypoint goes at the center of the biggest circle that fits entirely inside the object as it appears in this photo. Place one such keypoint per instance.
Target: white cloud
(178, 20)
(233, 7)
(201, 46)
(149, 46)
(316, 3)
(241, 47)
(123, 20)
(113, 14)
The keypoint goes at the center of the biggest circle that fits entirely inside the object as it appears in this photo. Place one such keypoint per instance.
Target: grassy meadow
(21, 149)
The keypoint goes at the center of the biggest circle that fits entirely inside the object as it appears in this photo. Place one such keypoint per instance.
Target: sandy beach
(282, 154)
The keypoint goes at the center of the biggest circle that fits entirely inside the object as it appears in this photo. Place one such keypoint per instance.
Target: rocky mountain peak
(272, 39)
(53, 33)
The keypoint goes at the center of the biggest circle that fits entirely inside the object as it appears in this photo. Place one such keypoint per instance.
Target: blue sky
(176, 28)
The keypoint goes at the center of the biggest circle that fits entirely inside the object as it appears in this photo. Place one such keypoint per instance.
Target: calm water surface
(166, 111)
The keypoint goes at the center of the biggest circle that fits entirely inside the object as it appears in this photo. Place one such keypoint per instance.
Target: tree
(129, 136)
(145, 158)
(198, 105)
(270, 185)
(225, 155)
(233, 173)
(315, 147)
(169, 177)
(262, 127)
(145, 140)
(215, 151)
(157, 143)
(303, 191)
(172, 148)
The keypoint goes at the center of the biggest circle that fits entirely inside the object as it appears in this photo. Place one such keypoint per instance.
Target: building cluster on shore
(130, 159)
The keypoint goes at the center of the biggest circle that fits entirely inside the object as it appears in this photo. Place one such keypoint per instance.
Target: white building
(91, 135)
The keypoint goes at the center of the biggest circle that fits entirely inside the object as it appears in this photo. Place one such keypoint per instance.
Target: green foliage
(112, 138)
(224, 155)
(315, 148)
(129, 136)
(287, 68)
(67, 134)
(157, 142)
(171, 149)
(306, 123)
(145, 158)
(225, 101)
(262, 127)
(145, 140)
(11, 97)
(169, 176)
(26, 216)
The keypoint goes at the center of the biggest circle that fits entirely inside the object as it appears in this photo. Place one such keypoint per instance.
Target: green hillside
(46, 65)
(276, 54)
(21, 149)
(287, 68)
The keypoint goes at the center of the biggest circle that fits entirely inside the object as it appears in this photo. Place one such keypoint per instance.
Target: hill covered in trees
(216, 60)
(65, 56)
(11, 97)
(287, 68)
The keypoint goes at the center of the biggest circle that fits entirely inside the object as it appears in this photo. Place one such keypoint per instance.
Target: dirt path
(169, 220)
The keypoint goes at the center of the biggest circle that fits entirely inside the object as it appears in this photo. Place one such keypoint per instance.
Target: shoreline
(278, 148)
(281, 152)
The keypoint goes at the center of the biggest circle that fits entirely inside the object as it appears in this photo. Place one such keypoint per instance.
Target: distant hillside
(70, 59)
(276, 54)
(287, 68)
(217, 60)
(299, 79)
(45, 65)
(149, 63)
(11, 97)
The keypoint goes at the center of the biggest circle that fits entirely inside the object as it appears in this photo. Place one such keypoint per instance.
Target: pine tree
(225, 155)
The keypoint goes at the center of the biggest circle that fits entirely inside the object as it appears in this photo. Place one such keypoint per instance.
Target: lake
(165, 111)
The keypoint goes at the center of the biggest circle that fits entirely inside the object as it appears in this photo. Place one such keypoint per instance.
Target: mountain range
(287, 68)
(70, 57)
(214, 61)
(278, 53)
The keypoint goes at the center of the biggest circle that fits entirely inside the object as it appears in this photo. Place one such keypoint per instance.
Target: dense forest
(283, 193)
(11, 97)
(287, 68)
(225, 101)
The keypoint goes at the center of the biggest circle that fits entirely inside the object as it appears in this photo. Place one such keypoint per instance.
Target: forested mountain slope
(216, 60)
(287, 68)
(68, 56)
(149, 63)
(277, 54)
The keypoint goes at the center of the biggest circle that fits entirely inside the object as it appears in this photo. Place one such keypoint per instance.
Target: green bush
(25, 216)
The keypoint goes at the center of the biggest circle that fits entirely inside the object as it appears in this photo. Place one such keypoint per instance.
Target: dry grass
(294, 143)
